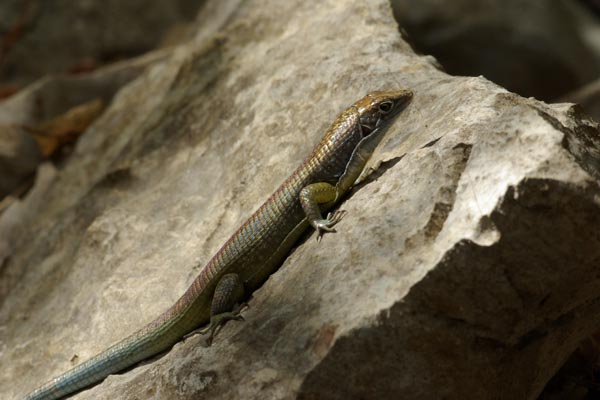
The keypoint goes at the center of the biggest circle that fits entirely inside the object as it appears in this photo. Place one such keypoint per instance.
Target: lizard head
(355, 133)
(377, 109)
(375, 112)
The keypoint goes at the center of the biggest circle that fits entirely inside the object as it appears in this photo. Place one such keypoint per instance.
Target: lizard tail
(128, 352)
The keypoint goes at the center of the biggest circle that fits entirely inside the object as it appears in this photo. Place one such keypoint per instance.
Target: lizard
(257, 248)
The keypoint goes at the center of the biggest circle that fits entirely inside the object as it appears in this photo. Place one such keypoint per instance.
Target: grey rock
(47, 98)
(466, 266)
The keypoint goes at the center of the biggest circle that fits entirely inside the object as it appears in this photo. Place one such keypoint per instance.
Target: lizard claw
(326, 225)
(336, 216)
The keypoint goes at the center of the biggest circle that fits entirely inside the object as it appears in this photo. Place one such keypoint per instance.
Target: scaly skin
(257, 248)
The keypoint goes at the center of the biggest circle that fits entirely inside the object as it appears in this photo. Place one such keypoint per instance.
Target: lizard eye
(385, 107)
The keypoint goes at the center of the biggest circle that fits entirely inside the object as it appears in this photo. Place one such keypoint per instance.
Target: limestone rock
(47, 98)
(466, 266)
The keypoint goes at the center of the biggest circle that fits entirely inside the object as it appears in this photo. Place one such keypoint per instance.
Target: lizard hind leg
(226, 306)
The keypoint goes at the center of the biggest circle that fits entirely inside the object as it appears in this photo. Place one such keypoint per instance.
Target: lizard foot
(327, 224)
(217, 322)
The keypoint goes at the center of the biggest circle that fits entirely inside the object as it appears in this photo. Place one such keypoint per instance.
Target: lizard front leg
(311, 196)
(226, 306)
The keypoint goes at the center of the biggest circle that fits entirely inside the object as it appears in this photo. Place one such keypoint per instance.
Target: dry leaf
(65, 128)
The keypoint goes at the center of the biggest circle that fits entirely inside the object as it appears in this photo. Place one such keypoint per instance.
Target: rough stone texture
(47, 98)
(67, 34)
(534, 48)
(465, 268)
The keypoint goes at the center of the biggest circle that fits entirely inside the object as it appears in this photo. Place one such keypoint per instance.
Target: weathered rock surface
(465, 268)
(47, 98)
